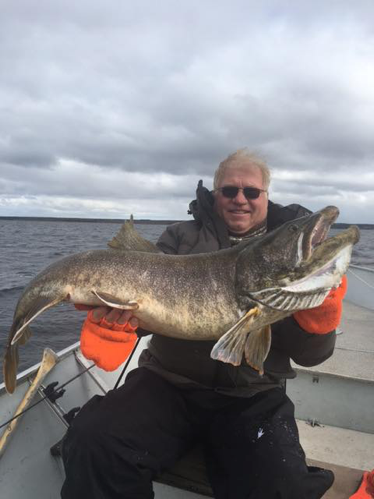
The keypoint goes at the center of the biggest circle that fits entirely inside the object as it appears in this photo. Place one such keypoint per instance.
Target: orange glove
(366, 488)
(326, 317)
(108, 344)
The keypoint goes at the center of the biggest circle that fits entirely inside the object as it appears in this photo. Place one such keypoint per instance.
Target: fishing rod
(52, 392)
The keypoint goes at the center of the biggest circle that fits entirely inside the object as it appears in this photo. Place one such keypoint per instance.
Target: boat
(334, 405)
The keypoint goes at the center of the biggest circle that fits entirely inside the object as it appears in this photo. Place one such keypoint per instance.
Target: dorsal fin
(129, 239)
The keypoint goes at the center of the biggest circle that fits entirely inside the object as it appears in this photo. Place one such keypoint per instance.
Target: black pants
(118, 443)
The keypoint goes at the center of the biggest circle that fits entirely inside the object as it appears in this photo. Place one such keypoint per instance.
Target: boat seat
(190, 474)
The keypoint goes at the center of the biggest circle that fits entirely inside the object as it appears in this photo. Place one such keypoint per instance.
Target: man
(118, 443)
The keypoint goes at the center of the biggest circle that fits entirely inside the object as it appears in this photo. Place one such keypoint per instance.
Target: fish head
(295, 266)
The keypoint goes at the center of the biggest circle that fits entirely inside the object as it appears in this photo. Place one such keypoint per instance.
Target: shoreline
(91, 220)
(148, 221)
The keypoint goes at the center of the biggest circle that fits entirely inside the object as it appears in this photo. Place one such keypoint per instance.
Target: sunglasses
(231, 191)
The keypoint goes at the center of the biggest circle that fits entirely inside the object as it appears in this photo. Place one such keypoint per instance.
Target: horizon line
(121, 220)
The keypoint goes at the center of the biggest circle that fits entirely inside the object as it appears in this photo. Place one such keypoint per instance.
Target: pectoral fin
(230, 347)
(19, 331)
(285, 300)
(26, 334)
(114, 302)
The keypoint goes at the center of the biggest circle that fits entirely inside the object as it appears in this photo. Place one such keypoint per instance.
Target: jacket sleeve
(306, 349)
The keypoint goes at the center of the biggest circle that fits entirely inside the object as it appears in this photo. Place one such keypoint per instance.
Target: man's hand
(326, 317)
(112, 316)
(108, 336)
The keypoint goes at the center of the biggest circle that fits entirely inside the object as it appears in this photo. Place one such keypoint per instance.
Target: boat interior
(334, 408)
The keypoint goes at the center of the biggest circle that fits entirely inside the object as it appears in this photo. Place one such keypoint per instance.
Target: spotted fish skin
(231, 296)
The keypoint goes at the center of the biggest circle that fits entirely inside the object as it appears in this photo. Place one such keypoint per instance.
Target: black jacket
(188, 363)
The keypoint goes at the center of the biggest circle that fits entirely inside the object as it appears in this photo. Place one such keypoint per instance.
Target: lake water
(27, 247)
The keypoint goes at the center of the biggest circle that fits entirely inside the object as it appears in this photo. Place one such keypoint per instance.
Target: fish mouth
(316, 232)
(318, 254)
(322, 261)
(322, 276)
(321, 264)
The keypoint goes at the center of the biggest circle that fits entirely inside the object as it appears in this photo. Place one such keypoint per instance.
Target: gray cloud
(135, 102)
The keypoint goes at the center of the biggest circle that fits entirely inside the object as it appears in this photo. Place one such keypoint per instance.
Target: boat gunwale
(343, 377)
(24, 375)
(360, 267)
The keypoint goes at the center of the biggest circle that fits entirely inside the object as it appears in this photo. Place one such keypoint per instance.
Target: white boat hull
(28, 471)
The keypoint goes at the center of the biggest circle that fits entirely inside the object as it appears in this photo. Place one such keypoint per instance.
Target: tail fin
(11, 360)
(20, 333)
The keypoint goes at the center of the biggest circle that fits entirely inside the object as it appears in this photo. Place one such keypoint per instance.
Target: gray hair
(247, 158)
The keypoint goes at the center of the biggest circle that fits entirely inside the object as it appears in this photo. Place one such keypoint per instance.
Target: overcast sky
(115, 107)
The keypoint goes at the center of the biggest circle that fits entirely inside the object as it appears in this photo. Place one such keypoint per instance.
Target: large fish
(231, 296)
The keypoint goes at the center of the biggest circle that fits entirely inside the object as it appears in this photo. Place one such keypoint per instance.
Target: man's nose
(240, 198)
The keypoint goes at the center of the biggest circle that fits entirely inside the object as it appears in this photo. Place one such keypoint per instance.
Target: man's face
(241, 214)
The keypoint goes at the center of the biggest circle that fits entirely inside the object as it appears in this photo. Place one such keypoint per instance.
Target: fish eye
(293, 228)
